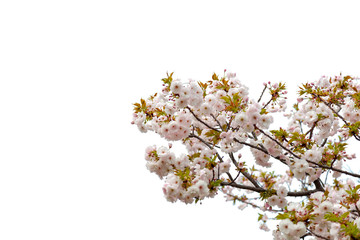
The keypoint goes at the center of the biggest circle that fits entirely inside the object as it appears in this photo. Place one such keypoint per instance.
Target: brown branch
(311, 130)
(324, 142)
(267, 103)
(278, 143)
(212, 115)
(336, 113)
(317, 235)
(236, 177)
(197, 118)
(260, 189)
(335, 169)
(202, 140)
(260, 149)
(262, 93)
(320, 165)
(252, 146)
(317, 182)
(251, 204)
(231, 155)
(245, 173)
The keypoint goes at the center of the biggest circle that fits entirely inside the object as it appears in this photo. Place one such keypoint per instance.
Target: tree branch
(260, 189)
(245, 173)
(202, 140)
(212, 115)
(317, 182)
(252, 204)
(335, 169)
(278, 143)
(317, 235)
(311, 130)
(252, 146)
(320, 165)
(197, 118)
(262, 93)
(260, 149)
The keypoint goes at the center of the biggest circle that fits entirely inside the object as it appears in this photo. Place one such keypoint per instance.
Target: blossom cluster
(215, 120)
(186, 180)
(325, 215)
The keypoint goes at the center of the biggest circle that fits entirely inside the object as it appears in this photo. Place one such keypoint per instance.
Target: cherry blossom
(295, 175)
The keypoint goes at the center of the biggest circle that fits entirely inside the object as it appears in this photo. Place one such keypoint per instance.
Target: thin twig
(202, 140)
(212, 115)
(311, 130)
(317, 235)
(252, 146)
(251, 204)
(260, 149)
(335, 169)
(262, 93)
(246, 174)
(286, 149)
(267, 103)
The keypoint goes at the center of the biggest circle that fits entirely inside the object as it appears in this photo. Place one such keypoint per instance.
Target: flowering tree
(308, 191)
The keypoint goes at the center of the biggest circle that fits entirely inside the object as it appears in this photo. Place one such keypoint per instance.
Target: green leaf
(227, 99)
(167, 81)
(203, 86)
(282, 216)
(214, 184)
(266, 194)
(214, 134)
(344, 215)
(331, 217)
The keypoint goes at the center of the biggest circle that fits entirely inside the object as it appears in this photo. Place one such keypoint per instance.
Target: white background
(72, 166)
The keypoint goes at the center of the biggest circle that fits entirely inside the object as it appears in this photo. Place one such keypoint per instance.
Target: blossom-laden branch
(343, 89)
(278, 143)
(315, 163)
(217, 118)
